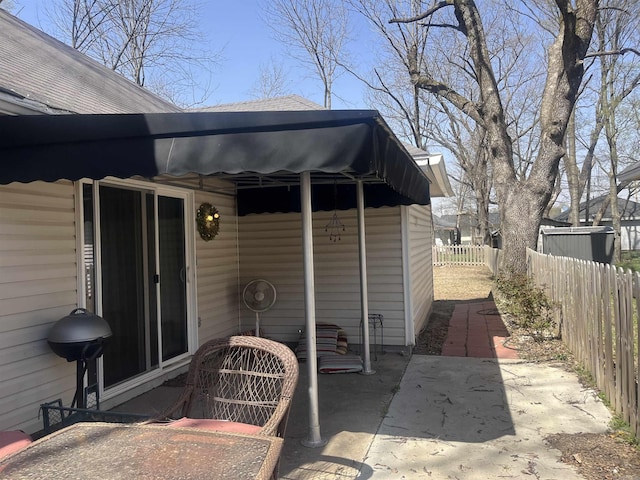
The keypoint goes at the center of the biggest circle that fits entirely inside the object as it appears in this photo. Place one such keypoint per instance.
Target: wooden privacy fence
(598, 318)
(449, 255)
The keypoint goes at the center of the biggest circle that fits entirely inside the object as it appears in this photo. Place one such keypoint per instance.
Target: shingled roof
(41, 69)
(628, 209)
(279, 104)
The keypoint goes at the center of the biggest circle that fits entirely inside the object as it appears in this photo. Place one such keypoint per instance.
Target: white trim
(156, 285)
(81, 293)
(409, 324)
(188, 199)
(190, 266)
(141, 379)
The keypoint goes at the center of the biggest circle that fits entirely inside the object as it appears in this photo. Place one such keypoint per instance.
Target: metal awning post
(364, 295)
(314, 439)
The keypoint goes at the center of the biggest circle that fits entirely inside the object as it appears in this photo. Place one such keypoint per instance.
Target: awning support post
(364, 295)
(314, 439)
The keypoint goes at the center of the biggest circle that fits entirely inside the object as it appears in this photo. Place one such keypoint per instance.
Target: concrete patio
(432, 417)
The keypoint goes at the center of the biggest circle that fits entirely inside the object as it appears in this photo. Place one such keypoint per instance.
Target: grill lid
(79, 326)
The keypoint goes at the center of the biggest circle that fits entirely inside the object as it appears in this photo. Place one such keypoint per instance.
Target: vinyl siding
(271, 248)
(38, 283)
(37, 287)
(420, 230)
(217, 272)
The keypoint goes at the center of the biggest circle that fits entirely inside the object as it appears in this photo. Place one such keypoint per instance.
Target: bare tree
(428, 119)
(317, 32)
(618, 79)
(522, 201)
(155, 43)
(8, 5)
(272, 81)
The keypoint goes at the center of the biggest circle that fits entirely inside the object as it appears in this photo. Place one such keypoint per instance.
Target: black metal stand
(375, 320)
(87, 363)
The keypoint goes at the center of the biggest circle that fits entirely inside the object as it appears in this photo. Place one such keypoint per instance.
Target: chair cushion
(326, 341)
(342, 346)
(340, 364)
(13, 441)
(215, 425)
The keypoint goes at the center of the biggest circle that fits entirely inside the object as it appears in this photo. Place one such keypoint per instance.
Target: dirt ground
(595, 456)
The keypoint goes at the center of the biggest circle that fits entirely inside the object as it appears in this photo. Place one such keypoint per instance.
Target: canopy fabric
(252, 149)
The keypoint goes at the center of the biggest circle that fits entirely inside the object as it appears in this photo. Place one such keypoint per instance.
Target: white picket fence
(451, 255)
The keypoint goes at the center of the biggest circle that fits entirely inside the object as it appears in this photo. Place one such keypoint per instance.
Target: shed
(585, 243)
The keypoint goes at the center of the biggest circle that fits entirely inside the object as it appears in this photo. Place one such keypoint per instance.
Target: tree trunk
(522, 203)
(573, 174)
(520, 216)
(484, 233)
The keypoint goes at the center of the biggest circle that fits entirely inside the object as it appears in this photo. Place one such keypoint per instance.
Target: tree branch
(621, 51)
(422, 16)
(444, 91)
(441, 25)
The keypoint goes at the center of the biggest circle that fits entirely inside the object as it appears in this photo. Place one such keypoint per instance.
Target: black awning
(349, 144)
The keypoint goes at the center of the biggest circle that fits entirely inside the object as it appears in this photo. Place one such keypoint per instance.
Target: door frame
(188, 198)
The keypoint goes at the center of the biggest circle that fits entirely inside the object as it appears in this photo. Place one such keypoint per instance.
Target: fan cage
(259, 286)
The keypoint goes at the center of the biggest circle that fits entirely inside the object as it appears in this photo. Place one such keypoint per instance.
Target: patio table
(148, 452)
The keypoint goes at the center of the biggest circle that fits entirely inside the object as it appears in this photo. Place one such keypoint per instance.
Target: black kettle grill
(80, 337)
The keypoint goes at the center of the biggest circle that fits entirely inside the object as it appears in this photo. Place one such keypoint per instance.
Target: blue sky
(237, 25)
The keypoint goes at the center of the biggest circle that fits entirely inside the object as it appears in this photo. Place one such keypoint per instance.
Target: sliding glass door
(141, 267)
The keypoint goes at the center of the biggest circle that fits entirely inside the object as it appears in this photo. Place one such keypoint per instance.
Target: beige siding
(37, 287)
(217, 272)
(271, 248)
(420, 231)
(38, 270)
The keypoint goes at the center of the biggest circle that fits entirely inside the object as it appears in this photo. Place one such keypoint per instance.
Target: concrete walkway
(471, 418)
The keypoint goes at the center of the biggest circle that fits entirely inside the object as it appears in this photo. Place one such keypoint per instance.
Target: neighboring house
(445, 232)
(630, 219)
(99, 212)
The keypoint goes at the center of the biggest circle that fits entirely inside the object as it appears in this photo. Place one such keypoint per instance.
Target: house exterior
(128, 248)
(630, 219)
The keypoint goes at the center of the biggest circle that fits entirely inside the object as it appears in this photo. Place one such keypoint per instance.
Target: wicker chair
(242, 379)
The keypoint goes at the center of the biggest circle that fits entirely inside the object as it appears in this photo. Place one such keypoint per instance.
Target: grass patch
(622, 431)
(630, 261)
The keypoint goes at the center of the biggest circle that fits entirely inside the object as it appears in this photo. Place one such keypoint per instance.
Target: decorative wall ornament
(208, 221)
(335, 226)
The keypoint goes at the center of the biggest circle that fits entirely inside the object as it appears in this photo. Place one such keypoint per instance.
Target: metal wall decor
(335, 226)
(208, 221)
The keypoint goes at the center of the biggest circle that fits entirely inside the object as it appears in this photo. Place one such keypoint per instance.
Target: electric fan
(259, 296)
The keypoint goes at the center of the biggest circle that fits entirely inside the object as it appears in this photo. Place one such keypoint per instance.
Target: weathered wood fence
(450, 255)
(598, 318)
